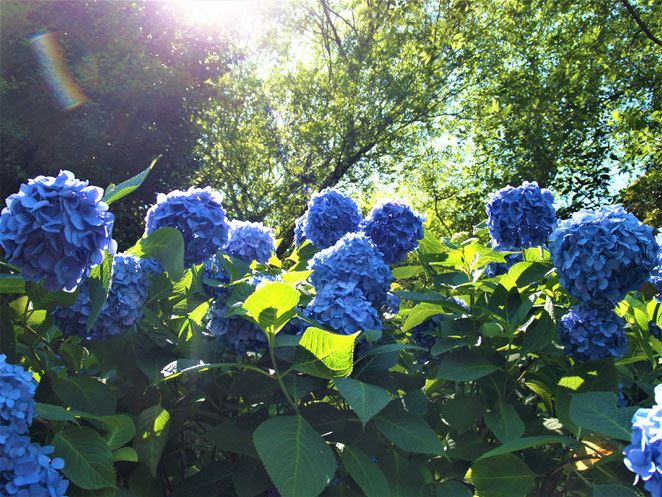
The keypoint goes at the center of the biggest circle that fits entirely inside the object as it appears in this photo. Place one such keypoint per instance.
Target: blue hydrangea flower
(354, 258)
(395, 228)
(621, 401)
(211, 269)
(601, 255)
(234, 333)
(200, 217)
(299, 235)
(26, 470)
(421, 333)
(656, 275)
(330, 215)
(122, 309)
(494, 269)
(56, 230)
(644, 455)
(589, 333)
(342, 306)
(250, 241)
(391, 305)
(17, 405)
(521, 217)
(655, 330)
(151, 266)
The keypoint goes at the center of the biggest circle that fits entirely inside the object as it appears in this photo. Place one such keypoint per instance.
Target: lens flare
(62, 83)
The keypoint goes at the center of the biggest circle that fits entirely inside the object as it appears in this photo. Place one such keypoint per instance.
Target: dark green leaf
(597, 412)
(614, 491)
(152, 430)
(85, 394)
(504, 422)
(526, 442)
(408, 432)
(99, 284)
(43, 299)
(365, 399)
(117, 192)
(504, 476)
(365, 472)
(452, 488)
(207, 482)
(12, 283)
(89, 462)
(166, 245)
(464, 365)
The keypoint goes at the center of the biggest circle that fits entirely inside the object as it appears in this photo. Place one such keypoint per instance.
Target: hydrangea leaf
(43, 299)
(120, 433)
(614, 491)
(206, 482)
(525, 273)
(404, 476)
(12, 283)
(152, 429)
(249, 478)
(421, 313)
(365, 472)
(408, 432)
(504, 422)
(324, 354)
(271, 306)
(85, 394)
(404, 272)
(125, 454)
(297, 458)
(463, 411)
(116, 192)
(366, 400)
(452, 488)
(527, 442)
(99, 284)
(88, 458)
(504, 475)
(464, 365)
(597, 411)
(166, 245)
(539, 334)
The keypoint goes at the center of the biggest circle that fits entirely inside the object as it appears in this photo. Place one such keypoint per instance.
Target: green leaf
(89, 462)
(43, 299)
(366, 472)
(114, 193)
(526, 273)
(297, 458)
(12, 283)
(99, 284)
(207, 482)
(462, 412)
(54, 413)
(391, 347)
(538, 334)
(166, 245)
(421, 313)
(272, 305)
(295, 276)
(504, 422)
(403, 272)
(404, 476)
(452, 488)
(597, 412)
(325, 355)
(365, 399)
(85, 394)
(526, 442)
(151, 436)
(464, 365)
(614, 491)
(446, 344)
(504, 476)
(250, 478)
(408, 432)
(125, 454)
(121, 433)
(234, 435)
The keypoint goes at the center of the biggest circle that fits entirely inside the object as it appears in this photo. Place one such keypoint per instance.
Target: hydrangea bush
(197, 364)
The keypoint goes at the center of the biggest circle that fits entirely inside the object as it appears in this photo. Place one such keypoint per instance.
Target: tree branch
(641, 23)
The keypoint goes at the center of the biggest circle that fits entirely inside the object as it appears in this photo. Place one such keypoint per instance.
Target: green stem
(278, 376)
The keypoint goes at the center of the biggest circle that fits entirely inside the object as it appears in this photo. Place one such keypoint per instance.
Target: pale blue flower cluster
(601, 255)
(26, 470)
(644, 455)
(17, 405)
(198, 214)
(588, 332)
(395, 228)
(250, 241)
(342, 306)
(354, 258)
(56, 230)
(121, 311)
(521, 217)
(234, 332)
(330, 215)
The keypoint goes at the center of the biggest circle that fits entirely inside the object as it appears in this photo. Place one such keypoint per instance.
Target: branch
(641, 23)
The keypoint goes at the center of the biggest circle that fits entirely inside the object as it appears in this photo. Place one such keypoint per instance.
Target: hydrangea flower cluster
(354, 258)
(621, 401)
(494, 269)
(56, 230)
(17, 405)
(122, 309)
(299, 235)
(421, 333)
(331, 214)
(656, 275)
(234, 332)
(250, 241)
(521, 217)
(342, 305)
(212, 270)
(644, 455)
(655, 330)
(395, 228)
(200, 217)
(391, 305)
(26, 469)
(601, 255)
(588, 333)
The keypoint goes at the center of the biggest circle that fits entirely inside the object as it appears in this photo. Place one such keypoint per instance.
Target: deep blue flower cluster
(655, 330)
(151, 266)
(421, 332)
(122, 309)
(250, 242)
(656, 275)
(354, 258)
(26, 470)
(200, 217)
(17, 405)
(644, 455)
(391, 304)
(342, 305)
(494, 269)
(234, 332)
(588, 333)
(212, 270)
(56, 230)
(330, 215)
(395, 228)
(621, 401)
(521, 217)
(601, 255)
(299, 235)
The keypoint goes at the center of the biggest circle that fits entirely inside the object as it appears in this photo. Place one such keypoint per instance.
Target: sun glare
(230, 13)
